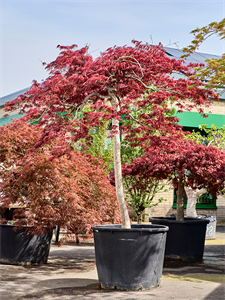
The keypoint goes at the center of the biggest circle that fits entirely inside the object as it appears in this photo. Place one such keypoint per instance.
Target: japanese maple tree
(71, 190)
(184, 163)
(110, 84)
(215, 137)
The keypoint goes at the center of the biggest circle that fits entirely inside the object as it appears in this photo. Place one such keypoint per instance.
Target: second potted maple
(51, 190)
(186, 164)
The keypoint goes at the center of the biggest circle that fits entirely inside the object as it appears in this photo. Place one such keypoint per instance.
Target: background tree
(139, 192)
(213, 72)
(215, 137)
(184, 163)
(101, 145)
(110, 84)
(70, 191)
(139, 196)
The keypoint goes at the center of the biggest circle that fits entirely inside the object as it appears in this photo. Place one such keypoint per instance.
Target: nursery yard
(71, 274)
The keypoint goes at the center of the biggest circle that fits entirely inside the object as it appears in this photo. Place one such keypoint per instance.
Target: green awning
(189, 119)
(194, 119)
(6, 120)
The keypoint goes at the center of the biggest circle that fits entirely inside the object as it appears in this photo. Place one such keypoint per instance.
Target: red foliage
(168, 157)
(111, 83)
(70, 191)
(122, 72)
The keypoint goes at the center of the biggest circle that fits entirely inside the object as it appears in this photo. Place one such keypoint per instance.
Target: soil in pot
(129, 259)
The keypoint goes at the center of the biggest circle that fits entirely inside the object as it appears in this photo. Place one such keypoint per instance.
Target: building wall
(218, 108)
(3, 112)
(163, 209)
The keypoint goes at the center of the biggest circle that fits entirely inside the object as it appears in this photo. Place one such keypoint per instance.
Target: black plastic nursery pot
(185, 239)
(129, 259)
(18, 247)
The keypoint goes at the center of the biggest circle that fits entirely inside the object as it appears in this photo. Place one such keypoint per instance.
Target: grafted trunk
(180, 200)
(125, 219)
(192, 196)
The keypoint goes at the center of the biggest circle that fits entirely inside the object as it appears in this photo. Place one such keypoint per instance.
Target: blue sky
(31, 30)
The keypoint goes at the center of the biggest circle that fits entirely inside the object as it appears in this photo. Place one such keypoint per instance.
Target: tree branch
(80, 107)
(134, 60)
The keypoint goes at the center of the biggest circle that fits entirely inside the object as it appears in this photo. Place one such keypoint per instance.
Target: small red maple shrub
(71, 190)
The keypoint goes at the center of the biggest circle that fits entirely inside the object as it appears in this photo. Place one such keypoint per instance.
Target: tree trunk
(125, 219)
(139, 219)
(192, 196)
(180, 200)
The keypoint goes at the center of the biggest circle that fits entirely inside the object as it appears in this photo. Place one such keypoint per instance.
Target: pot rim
(190, 220)
(134, 227)
(22, 226)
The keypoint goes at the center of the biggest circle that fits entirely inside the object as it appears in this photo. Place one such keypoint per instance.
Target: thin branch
(139, 80)
(134, 60)
(80, 107)
(138, 121)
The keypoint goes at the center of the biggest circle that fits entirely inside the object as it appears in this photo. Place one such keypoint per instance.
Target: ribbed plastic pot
(129, 259)
(185, 239)
(18, 247)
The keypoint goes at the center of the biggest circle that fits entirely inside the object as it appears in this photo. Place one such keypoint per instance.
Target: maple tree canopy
(124, 73)
(68, 191)
(111, 84)
(199, 165)
(184, 163)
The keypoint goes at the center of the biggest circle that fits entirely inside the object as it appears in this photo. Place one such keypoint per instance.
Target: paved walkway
(71, 274)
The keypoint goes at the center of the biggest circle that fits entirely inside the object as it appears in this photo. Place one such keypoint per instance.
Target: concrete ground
(71, 274)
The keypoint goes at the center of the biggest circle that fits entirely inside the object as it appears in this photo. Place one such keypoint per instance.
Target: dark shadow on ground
(85, 290)
(216, 294)
(213, 263)
(72, 258)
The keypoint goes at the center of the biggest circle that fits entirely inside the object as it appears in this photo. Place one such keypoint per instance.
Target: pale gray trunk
(192, 196)
(125, 219)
